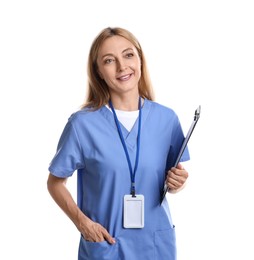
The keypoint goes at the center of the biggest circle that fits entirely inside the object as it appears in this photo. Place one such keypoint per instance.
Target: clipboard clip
(197, 113)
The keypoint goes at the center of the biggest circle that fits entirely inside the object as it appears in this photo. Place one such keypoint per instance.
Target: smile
(125, 77)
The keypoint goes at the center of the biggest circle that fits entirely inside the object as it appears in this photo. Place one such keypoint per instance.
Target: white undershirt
(127, 118)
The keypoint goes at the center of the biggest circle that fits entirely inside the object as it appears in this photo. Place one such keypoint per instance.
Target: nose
(121, 65)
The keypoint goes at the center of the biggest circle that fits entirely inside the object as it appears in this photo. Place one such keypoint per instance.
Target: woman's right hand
(94, 232)
(90, 230)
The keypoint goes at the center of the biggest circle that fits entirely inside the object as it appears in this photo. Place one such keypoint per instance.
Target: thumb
(180, 166)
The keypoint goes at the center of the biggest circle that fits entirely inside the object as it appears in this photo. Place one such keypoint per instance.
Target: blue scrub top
(90, 144)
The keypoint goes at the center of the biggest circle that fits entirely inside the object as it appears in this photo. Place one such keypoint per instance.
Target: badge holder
(133, 211)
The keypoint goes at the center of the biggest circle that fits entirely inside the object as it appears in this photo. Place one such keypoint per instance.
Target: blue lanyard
(132, 173)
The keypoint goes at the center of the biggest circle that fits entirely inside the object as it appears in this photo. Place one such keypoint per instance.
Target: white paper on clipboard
(185, 142)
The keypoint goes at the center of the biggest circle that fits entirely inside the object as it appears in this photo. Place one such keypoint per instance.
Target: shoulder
(85, 114)
(160, 109)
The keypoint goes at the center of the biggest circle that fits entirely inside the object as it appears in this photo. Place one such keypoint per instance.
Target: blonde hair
(98, 92)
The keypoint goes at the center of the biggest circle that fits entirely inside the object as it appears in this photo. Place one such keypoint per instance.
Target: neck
(125, 103)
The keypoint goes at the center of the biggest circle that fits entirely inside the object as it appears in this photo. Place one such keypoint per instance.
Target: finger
(178, 179)
(172, 175)
(94, 236)
(173, 185)
(180, 166)
(172, 181)
(95, 233)
(175, 181)
(108, 237)
(179, 172)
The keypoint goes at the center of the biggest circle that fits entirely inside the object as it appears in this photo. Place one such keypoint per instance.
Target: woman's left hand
(176, 178)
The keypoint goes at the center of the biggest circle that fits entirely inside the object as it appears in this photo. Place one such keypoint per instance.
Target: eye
(108, 61)
(129, 55)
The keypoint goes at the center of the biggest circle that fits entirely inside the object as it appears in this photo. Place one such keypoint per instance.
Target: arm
(176, 178)
(90, 230)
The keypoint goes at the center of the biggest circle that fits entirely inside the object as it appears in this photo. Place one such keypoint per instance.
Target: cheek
(104, 74)
(138, 70)
(137, 66)
(108, 77)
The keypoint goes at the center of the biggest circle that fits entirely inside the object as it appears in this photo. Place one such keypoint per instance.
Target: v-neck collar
(129, 137)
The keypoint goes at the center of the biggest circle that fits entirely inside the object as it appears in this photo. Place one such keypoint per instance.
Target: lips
(125, 77)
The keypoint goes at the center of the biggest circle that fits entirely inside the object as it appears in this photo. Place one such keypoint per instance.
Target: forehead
(114, 45)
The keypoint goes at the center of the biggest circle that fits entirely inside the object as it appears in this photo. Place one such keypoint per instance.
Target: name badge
(133, 211)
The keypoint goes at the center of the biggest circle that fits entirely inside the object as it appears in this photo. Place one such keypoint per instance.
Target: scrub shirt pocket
(165, 244)
(97, 250)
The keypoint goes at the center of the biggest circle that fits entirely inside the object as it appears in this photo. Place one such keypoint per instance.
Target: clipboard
(185, 142)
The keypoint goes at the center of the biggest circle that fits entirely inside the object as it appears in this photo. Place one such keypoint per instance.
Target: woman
(123, 146)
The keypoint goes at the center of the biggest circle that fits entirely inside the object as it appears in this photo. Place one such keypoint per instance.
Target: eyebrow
(111, 54)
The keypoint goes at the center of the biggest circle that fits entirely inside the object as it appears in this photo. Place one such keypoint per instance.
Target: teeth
(124, 77)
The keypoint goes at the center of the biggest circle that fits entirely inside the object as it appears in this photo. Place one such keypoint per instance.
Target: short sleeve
(177, 139)
(69, 156)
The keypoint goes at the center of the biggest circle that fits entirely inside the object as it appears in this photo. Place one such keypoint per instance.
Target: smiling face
(119, 65)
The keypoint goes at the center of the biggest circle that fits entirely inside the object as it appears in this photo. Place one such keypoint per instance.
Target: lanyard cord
(132, 173)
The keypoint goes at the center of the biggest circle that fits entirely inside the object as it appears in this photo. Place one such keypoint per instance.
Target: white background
(198, 53)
